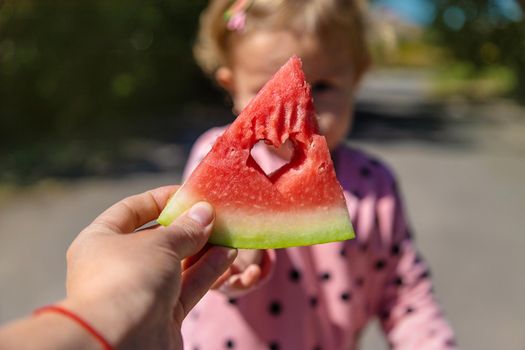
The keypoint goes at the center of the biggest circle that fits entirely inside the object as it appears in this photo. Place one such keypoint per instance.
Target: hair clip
(235, 15)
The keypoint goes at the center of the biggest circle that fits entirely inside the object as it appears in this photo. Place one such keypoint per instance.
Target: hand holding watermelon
(131, 285)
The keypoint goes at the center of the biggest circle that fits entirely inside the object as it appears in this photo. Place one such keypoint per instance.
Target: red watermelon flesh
(299, 204)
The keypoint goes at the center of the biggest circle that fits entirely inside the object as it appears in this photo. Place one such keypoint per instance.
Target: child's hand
(244, 273)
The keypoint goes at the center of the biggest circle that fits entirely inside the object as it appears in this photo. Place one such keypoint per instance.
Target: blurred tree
(484, 33)
(96, 69)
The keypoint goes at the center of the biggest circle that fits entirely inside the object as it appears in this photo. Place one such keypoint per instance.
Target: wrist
(104, 317)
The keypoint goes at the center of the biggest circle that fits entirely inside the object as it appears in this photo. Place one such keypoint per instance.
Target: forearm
(57, 331)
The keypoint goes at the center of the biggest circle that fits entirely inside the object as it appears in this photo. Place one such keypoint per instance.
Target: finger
(135, 211)
(188, 262)
(188, 234)
(198, 279)
(251, 276)
(246, 279)
(221, 280)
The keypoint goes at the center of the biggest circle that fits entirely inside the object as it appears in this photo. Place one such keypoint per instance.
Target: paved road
(466, 200)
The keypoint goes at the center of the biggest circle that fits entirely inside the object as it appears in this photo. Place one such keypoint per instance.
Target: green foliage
(484, 34)
(96, 69)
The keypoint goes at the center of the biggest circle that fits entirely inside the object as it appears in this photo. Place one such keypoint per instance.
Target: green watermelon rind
(266, 230)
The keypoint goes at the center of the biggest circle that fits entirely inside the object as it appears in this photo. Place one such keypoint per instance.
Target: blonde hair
(331, 20)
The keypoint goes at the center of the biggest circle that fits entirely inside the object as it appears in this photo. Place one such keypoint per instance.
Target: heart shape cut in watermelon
(299, 204)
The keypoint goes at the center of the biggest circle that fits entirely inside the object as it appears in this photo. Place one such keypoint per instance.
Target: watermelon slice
(299, 204)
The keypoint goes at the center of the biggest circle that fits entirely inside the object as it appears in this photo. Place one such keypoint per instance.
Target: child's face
(257, 57)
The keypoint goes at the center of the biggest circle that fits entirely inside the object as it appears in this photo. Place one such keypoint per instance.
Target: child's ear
(224, 77)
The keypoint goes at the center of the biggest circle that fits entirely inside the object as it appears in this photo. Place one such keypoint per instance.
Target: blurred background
(102, 99)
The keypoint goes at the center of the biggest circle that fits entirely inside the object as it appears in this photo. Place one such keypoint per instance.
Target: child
(323, 296)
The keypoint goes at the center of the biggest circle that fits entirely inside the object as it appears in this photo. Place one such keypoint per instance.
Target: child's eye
(322, 86)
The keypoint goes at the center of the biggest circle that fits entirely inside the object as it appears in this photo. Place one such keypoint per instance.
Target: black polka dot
(410, 310)
(451, 342)
(395, 250)
(325, 276)
(346, 296)
(398, 281)
(365, 172)
(359, 281)
(273, 345)
(232, 301)
(380, 264)
(424, 275)
(230, 344)
(317, 347)
(384, 315)
(295, 275)
(313, 301)
(417, 259)
(275, 308)
(375, 162)
(342, 252)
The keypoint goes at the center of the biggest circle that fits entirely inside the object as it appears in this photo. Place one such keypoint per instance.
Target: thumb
(188, 234)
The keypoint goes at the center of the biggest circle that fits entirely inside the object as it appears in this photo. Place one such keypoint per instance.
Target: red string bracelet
(63, 311)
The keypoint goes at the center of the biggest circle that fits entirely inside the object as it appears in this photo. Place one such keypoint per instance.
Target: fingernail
(232, 253)
(202, 213)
